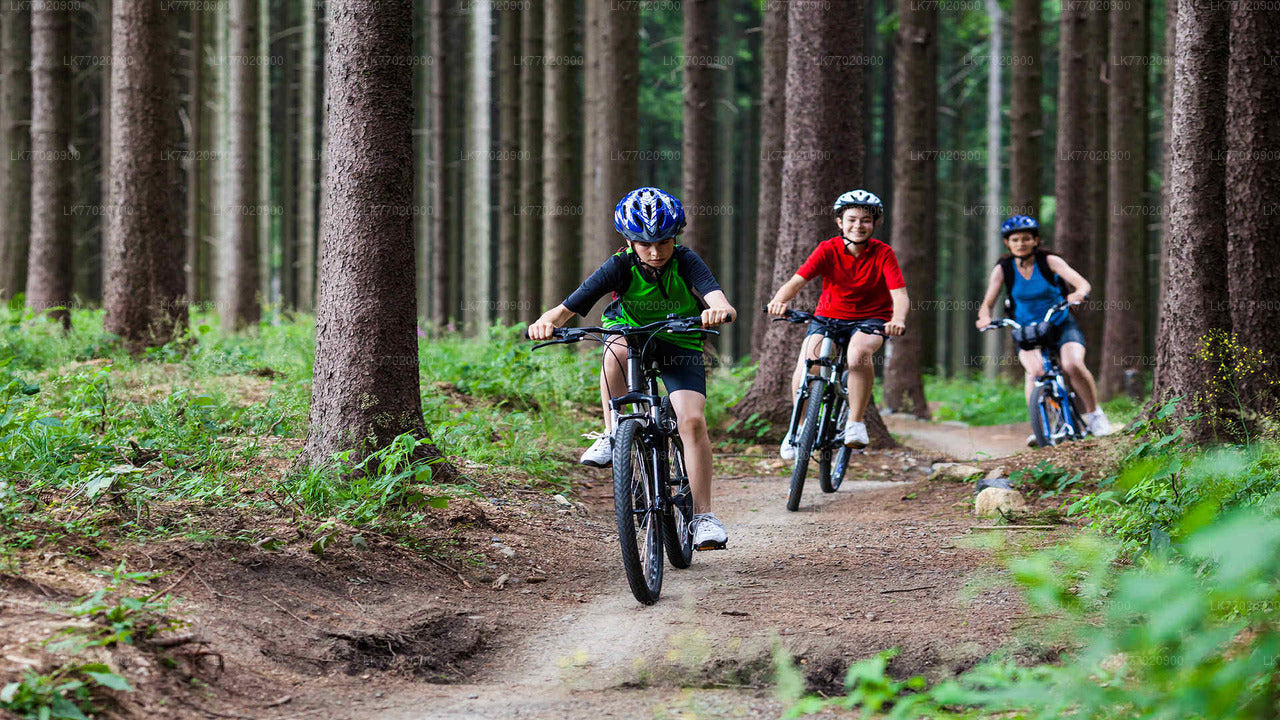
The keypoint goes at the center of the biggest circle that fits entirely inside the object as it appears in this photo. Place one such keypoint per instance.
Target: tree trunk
(365, 387)
(53, 164)
(508, 163)
(823, 157)
(1198, 302)
(1253, 174)
(699, 147)
(617, 128)
(992, 341)
(1091, 321)
(145, 289)
(530, 161)
(285, 118)
(477, 295)
(195, 140)
(442, 188)
(1073, 217)
(1025, 122)
(1122, 340)
(561, 230)
(1166, 133)
(915, 189)
(773, 116)
(268, 281)
(238, 274)
(15, 134)
(307, 122)
(595, 244)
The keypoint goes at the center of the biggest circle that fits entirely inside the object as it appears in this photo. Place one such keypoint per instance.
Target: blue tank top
(1034, 296)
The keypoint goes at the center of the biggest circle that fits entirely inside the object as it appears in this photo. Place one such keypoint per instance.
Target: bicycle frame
(831, 364)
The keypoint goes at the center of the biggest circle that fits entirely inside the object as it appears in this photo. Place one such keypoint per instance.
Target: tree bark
(268, 281)
(823, 157)
(699, 152)
(1122, 339)
(993, 342)
(307, 198)
(195, 140)
(1253, 218)
(1166, 134)
(617, 128)
(1025, 121)
(477, 310)
(1092, 319)
(595, 244)
(442, 188)
(561, 191)
(15, 154)
(508, 164)
(915, 188)
(238, 275)
(53, 164)
(530, 160)
(773, 117)
(1198, 301)
(365, 388)
(145, 288)
(1073, 217)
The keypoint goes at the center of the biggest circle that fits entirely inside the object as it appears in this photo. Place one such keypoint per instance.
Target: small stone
(996, 473)
(994, 502)
(953, 472)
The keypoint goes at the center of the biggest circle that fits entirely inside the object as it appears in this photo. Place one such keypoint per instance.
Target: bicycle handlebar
(799, 316)
(564, 336)
(1008, 322)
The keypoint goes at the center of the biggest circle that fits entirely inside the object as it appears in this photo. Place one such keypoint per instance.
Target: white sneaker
(1031, 440)
(600, 454)
(708, 532)
(788, 450)
(1098, 423)
(855, 434)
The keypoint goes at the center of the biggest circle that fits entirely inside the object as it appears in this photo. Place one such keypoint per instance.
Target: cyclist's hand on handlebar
(984, 319)
(1076, 298)
(895, 328)
(712, 317)
(541, 330)
(776, 307)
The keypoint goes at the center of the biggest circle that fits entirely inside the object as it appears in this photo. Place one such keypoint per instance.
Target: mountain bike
(824, 398)
(1055, 409)
(653, 503)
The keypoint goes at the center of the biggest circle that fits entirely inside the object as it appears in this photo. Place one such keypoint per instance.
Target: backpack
(1042, 262)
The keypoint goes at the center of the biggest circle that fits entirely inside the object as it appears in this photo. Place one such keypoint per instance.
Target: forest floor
(520, 608)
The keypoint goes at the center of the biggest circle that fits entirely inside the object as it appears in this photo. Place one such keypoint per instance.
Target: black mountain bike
(1055, 409)
(653, 504)
(824, 400)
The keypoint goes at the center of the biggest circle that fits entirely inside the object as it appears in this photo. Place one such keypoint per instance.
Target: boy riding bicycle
(1034, 280)
(861, 283)
(651, 279)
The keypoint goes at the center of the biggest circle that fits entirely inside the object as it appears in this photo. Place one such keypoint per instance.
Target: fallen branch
(922, 587)
(1014, 527)
(176, 583)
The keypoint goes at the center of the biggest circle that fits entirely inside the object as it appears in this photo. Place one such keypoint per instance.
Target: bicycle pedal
(712, 546)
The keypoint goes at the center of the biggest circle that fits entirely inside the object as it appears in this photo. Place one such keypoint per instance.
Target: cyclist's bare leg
(691, 414)
(862, 346)
(1034, 368)
(1071, 355)
(808, 351)
(613, 376)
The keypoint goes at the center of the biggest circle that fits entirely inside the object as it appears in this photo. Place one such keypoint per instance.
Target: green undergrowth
(1169, 603)
(975, 400)
(91, 437)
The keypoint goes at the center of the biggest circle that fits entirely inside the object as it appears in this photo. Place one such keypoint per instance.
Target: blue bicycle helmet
(859, 198)
(648, 215)
(1019, 223)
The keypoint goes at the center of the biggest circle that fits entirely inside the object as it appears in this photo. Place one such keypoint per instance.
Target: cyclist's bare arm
(1079, 286)
(550, 320)
(898, 322)
(719, 310)
(786, 294)
(994, 283)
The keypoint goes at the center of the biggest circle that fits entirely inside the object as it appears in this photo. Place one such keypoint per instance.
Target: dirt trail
(961, 441)
(875, 566)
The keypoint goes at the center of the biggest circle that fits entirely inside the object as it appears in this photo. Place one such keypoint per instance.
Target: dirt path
(877, 565)
(961, 441)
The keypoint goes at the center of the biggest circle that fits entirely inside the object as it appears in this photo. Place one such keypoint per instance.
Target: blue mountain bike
(1055, 409)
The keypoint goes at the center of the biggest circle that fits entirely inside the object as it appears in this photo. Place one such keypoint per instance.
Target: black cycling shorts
(844, 328)
(680, 368)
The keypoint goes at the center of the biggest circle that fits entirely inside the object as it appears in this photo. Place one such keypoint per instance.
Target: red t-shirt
(854, 288)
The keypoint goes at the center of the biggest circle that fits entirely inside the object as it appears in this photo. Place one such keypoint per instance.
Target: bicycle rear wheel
(636, 512)
(804, 445)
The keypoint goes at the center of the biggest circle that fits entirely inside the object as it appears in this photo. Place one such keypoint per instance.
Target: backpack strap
(1006, 267)
(1042, 260)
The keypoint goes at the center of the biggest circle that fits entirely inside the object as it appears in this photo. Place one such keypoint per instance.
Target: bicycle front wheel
(804, 445)
(1046, 410)
(637, 511)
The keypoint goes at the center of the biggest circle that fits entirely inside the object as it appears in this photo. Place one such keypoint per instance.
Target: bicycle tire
(678, 510)
(804, 446)
(641, 543)
(829, 456)
(1046, 413)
